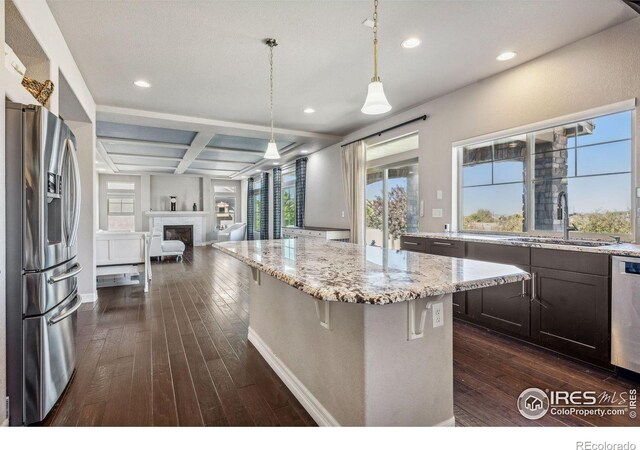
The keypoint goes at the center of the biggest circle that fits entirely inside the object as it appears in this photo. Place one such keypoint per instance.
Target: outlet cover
(438, 314)
(436, 212)
(438, 194)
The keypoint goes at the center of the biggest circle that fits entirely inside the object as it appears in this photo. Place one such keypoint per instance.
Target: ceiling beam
(105, 156)
(190, 123)
(235, 150)
(131, 155)
(141, 168)
(198, 145)
(140, 142)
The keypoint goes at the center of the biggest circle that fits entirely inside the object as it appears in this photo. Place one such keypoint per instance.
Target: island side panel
(408, 382)
(329, 363)
(363, 371)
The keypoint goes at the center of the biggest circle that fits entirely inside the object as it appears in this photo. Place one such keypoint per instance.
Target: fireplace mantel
(176, 213)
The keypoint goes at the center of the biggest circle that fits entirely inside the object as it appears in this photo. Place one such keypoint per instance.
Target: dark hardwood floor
(179, 355)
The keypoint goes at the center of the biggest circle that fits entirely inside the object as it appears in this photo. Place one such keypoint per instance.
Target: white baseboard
(450, 422)
(306, 398)
(89, 298)
(5, 423)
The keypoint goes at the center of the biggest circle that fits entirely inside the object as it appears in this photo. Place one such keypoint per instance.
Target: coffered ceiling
(207, 64)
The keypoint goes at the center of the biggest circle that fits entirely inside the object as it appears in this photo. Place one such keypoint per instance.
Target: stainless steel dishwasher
(625, 312)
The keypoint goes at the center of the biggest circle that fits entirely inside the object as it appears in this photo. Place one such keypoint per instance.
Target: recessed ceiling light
(304, 151)
(142, 83)
(506, 56)
(309, 110)
(411, 42)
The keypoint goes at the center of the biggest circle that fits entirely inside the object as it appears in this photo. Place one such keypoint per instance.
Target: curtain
(264, 207)
(301, 184)
(354, 167)
(250, 209)
(277, 202)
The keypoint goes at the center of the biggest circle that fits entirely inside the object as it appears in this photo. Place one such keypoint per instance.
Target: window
(120, 210)
(512, 184)
(391, 197)
(289, 198)
(224, 201)
(257, 191)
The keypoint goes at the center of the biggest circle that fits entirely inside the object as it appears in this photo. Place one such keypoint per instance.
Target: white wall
(186, 189)
(595, 71)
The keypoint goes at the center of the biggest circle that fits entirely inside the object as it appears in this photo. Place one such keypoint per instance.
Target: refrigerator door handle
(76, 269)
(60, 317)
(76, 207)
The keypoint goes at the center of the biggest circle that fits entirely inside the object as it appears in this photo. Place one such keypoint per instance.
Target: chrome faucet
(563, 213)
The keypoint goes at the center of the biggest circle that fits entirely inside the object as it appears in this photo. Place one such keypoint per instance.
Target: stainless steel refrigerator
(42, 212)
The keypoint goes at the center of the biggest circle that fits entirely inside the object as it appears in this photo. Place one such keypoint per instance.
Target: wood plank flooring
(179, 356)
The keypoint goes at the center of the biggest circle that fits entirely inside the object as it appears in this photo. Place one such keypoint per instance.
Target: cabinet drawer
(503, 254)
(413, 244)
(581, 262)
(445, 247)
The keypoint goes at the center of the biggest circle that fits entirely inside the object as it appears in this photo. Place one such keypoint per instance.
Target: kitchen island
(360, 335)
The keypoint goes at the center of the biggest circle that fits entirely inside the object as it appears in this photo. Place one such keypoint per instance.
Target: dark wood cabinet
(564, 308)
(570, 313)
(505, 307)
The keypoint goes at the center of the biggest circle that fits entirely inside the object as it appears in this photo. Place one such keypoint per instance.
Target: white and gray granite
(338, 271)
(623, 249)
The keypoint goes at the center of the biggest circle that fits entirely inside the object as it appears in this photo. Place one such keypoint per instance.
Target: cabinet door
(412, 244)
(453, 249)
(502, 308)
(570, 313)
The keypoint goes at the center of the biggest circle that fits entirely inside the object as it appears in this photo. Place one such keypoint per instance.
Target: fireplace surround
(182, 233)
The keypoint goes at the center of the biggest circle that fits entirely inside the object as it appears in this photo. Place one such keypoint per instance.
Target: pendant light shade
(272, 148)
(376, 102)
(272, 151)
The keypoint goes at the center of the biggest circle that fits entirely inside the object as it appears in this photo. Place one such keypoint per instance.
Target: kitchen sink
(572, 242)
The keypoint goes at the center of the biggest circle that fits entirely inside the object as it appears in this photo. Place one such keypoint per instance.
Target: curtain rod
(378, 133)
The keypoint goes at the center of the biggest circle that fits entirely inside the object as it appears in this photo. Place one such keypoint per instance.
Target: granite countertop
(338, 271)
(623, 249)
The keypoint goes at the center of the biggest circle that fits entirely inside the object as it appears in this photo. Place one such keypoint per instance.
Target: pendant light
(376, 102)
(272, 148)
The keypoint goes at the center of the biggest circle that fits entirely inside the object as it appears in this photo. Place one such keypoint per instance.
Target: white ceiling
(206, 60)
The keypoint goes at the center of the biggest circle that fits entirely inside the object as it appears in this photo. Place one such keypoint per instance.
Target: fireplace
(182, 233)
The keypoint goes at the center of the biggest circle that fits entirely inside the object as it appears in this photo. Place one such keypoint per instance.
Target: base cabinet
(570, 313)
(565, 307)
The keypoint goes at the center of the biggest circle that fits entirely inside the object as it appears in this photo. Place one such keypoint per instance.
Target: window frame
(257, 205)
(530, 130)
(120, 194)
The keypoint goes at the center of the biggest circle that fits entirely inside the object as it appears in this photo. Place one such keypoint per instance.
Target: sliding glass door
(392, 205)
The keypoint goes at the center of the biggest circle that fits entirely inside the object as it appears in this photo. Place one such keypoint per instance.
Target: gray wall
(596, 71)
(324, 193)
(188, 191)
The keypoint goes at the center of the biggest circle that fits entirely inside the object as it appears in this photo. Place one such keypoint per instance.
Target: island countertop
(338, 271)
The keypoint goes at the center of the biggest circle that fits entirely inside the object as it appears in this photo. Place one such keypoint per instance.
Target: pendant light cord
(271, 87)
(375, 41)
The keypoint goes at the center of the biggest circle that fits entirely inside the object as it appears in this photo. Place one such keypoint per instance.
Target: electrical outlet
(438, 314)
(436, 212)
(438, 194)
(342, 213)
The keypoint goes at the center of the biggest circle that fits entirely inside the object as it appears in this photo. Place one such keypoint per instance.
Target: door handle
(76, 196)
(523, 293)
(60, 317)
(75, 270)
(411, 243)
(448, 244)
(534, 293)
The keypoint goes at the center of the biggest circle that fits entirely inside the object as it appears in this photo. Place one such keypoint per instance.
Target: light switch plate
(438, 194)
(638, 192)
(436, 212)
